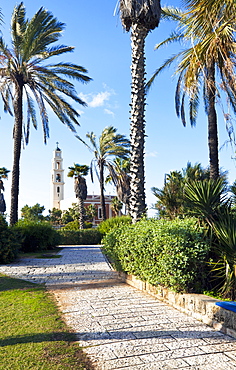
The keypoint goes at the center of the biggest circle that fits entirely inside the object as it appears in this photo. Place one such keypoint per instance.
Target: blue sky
(103, 48)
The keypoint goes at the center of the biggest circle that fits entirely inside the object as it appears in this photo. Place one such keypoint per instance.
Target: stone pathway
(119, 326)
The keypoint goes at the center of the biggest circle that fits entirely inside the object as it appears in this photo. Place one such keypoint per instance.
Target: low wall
(199, 306)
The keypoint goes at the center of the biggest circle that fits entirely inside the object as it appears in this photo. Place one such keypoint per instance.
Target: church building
(57, 190)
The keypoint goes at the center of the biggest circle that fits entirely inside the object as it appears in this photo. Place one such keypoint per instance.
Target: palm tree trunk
(212, 124)
(18, 113)
(81, 213)
(102, 198)
(137, 125)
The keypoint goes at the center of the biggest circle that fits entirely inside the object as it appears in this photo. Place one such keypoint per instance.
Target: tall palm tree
(80, 187)
(109, 146)
(209, 28)
(120, 177)
(141, 16)
(23, 73)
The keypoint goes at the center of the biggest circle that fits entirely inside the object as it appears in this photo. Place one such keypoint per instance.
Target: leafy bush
(170, 253)
(74, 225)
(37, 235)
(79, 237)
(114, 222)
(9, 242)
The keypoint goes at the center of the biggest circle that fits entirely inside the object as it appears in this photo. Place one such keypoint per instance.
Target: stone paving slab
(119, 326)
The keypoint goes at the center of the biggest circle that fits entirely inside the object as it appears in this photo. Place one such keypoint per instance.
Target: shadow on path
(87, 285)
(114, 335)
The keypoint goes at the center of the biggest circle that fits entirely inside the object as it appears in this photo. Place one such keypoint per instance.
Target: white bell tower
(57, 179)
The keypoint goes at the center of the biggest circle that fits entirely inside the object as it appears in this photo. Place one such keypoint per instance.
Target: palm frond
(174, 37)
(171, 13)
(18, 26)
(42, 30)
(193, 106)
(206, 197)
(182, 110)
(167, 63)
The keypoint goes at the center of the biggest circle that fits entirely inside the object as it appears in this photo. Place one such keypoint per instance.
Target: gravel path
(119, 326)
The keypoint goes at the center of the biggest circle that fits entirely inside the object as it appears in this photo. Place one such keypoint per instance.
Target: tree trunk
(81, 213)
(80, 188)
(212, 124)
(18, 113)
(102, 198)
(137, 125)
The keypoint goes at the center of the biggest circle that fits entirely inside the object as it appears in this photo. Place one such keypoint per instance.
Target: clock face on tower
(57, 154)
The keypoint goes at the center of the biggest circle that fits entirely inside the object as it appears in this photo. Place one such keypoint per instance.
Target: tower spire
(57, 178)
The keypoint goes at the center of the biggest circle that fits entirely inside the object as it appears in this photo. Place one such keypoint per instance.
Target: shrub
(9, 242)
(115, 222)
(37, 235)
(74, 225)
(80, 237)
(170, 253)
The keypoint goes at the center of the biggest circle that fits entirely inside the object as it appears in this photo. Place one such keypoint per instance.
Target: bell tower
(57, 178)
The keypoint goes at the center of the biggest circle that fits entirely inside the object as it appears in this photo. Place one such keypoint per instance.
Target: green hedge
(79, 237)
(114, 222)
(170, 253)
(9, 242)
(75, 225)
(37, 235)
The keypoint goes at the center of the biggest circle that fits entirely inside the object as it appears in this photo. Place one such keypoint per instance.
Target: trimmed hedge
(171, 253)
(74, 225)
(9, 242)
(37, 235)
(114, 222)
(79, 237)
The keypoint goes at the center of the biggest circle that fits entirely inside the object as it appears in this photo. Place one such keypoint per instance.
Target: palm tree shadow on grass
(9, 283)
(37, 338)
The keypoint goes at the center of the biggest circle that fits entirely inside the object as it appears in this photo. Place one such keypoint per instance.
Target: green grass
(215, 295)
(33, 335)
(42, 254)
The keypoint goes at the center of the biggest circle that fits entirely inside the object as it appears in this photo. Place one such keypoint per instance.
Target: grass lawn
(42, 253)
(32, 334)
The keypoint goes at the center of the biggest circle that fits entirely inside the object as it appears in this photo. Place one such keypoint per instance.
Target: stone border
(200, 306)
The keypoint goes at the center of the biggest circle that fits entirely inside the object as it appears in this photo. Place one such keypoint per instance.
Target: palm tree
(172, 201)
(141, 16)
(120, 177)
(209, 28)
(23, 74)
(196, 172)
(170, 198)
(80, 187)
(91, 212)
(3, 175)
(116, 205)
(110, 145)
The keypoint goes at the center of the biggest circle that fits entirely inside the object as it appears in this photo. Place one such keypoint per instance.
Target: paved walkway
(119, 326)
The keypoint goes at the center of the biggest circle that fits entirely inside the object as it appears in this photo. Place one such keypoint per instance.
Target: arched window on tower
(58, 178)
(58, 189)
(58, 165)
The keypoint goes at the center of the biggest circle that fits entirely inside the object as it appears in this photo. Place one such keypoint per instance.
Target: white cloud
(99, 99)
(80, 112)
(108, 111)
(151, 154)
